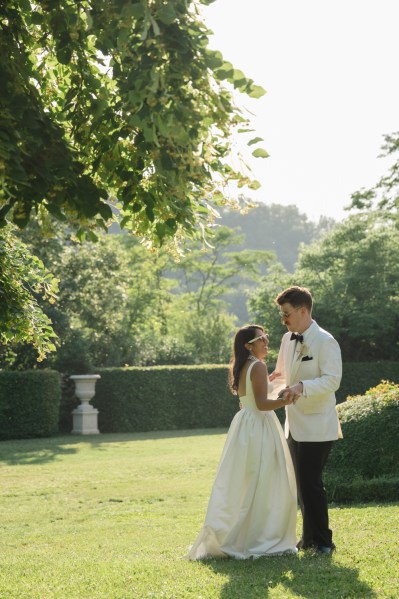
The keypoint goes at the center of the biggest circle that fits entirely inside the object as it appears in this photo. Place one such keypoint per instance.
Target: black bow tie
(296, 337)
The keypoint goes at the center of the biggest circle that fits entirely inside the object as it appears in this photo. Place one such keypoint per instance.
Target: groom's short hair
(296, 296)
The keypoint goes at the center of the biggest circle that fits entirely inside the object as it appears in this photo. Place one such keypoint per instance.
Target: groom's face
(292, 317)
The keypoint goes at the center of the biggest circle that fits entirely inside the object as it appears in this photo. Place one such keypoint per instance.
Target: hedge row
(29, 404)
(177, 397)
(363, 490)
(163, 398)
(143, 399)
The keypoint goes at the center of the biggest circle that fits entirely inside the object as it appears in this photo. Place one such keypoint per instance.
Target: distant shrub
(29, 404)
(366, 462)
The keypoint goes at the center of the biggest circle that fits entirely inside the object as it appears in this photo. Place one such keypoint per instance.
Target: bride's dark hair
(240, 353)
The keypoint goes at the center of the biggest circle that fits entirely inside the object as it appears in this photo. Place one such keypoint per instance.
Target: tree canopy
(352, 272)
(116, 102)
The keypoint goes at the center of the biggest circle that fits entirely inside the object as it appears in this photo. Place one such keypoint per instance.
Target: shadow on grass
(33, 451)
(308, 576)
(42, 450)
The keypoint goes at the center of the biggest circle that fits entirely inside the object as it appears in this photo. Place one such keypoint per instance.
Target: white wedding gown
(253, 505)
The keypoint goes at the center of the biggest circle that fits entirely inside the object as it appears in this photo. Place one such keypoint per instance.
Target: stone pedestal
(85, 416)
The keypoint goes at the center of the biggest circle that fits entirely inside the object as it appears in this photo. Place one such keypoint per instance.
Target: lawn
(111, 517)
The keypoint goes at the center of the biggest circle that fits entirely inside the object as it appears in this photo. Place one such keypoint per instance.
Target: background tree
(277, 228)
(209, 276)
(352, 272)
(23, 279)
(209, 271)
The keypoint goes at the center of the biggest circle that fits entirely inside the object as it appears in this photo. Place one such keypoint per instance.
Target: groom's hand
(296, 389)
(292, 393)
(289, 394)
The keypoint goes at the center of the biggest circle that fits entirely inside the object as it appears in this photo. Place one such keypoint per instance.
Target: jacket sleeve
(330, 369)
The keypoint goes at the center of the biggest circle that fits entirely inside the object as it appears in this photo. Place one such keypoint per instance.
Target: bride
(252, 507)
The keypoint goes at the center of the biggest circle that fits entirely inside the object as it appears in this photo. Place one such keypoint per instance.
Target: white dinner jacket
(317, 364)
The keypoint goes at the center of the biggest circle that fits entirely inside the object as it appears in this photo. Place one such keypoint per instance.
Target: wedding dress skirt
(253, 505)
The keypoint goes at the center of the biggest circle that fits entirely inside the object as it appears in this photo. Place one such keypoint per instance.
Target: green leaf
(254, 185)
(105, 211)
(260, 153)
(124, 221)
(226, 71)
(155, 26)
(64, 54)
(135, 10)
(150, 213)
(36, 18)
(91, 236)
(239, 78)
(161, 230)
(167, 13)
(171, 224)
(213, 59)
(255, 140)
(256, 91)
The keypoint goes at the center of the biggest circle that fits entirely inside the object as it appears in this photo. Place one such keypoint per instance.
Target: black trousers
(309, 459)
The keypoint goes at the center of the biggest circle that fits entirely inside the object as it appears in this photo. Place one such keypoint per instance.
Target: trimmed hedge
(163, 398)
(364, 465)
(360, 490)
(178, 397)
(143, 399)
(29, 404)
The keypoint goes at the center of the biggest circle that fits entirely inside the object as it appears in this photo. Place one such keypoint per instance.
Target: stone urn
(85, 416)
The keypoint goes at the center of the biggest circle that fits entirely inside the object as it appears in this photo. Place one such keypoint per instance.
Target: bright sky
(330, 68)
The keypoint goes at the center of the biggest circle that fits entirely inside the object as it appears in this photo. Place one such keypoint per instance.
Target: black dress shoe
(325, 550)
(303, 545)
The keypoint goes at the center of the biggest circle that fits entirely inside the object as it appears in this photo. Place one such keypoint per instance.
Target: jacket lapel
(297, 355)
(296, 360)
(289, 357)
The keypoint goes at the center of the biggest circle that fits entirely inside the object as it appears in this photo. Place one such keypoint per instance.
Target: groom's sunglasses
(284, 315)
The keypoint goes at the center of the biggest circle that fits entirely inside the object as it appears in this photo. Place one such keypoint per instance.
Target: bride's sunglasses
(263, 336)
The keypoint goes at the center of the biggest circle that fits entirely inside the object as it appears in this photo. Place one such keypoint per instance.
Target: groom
(310, 364)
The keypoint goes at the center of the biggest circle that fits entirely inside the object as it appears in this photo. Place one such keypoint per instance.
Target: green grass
(111, 517)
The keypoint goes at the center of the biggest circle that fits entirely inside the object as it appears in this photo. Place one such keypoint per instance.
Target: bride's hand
(274, 375)
(288, 396)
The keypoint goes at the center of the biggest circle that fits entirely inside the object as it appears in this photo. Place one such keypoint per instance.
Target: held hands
(291, 394)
